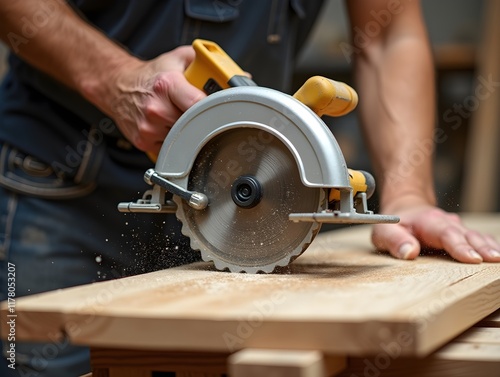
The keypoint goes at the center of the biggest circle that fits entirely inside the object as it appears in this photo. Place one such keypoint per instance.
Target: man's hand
(145, 98)
(395, 81)
(425, 226)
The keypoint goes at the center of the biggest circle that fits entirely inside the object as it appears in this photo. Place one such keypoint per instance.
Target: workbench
(340, 309)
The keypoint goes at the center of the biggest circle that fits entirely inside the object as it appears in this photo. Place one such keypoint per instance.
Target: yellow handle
(327, 97)
(360, 181)
(212, 70)
(334, 98)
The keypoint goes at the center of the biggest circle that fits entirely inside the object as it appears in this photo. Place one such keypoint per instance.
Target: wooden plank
(478, 335)
(474, 353)
(384, 366)
(340, 297)
(462, 357)
(478, 344)
(493, 320)
(446, 312)
(283, 363)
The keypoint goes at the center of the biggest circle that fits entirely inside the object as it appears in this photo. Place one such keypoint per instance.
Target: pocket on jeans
(28, 175)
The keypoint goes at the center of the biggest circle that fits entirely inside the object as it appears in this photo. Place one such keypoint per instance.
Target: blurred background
(465, 37)
(466, 41)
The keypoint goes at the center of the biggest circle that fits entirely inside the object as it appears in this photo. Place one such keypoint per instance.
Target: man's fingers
(152, 95)
(171, 83)
(428, 226)
(396, 239)
(454, 241)
(173, 87)
(170, 97)
(485, 245)
(185, 54)
(445, 231)
(161, 114)
(184, 95)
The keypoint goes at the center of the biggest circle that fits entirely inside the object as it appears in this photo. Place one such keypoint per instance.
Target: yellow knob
(327, 97)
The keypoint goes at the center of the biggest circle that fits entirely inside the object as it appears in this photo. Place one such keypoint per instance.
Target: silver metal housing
(318, 155)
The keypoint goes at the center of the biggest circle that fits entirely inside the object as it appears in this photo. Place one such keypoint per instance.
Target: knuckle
(164, 80)
(449, 233)
(150, 110)
(454, 217)
(436, 212)
(160, 83)
(472, 234)
(145, 131)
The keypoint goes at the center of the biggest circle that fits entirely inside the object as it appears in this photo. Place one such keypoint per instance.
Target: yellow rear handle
(327, 97)
(334, 98)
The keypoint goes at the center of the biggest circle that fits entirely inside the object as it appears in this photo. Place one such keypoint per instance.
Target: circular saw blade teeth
(280, 240)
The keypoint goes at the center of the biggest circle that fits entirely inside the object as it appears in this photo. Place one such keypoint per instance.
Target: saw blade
(252, 183)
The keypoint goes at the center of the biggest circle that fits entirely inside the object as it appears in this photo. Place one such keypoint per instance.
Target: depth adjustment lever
(196, 200)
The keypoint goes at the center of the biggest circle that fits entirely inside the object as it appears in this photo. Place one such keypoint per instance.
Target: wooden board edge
(466, 304)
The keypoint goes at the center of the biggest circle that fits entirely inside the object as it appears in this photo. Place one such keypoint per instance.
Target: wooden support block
(479, 344)
(283, 363)
(182, 363)
(493, 320)
(100, 372)
(480, 335)
(128, 372)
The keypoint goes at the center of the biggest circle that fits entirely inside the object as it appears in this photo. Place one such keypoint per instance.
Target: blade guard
(318, 155)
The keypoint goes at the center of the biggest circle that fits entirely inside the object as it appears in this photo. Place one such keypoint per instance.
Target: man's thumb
(395, 239)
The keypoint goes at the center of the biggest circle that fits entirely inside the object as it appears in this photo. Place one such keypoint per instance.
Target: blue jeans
(61, 234)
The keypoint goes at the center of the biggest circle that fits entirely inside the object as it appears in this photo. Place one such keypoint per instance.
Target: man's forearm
(50, 36)
(399, 120)
(144, 98)
(395, 79)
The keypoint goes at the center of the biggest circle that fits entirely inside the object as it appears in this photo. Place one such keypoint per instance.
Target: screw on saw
(196, 200)
(246, 191)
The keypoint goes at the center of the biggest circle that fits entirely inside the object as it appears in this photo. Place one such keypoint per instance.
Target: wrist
(402, 199)
(102, 87)
(400, 188)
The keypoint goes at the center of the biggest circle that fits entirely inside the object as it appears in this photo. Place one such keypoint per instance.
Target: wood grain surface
(340, 297)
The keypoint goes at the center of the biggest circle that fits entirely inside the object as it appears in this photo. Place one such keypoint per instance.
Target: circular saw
(254, 172)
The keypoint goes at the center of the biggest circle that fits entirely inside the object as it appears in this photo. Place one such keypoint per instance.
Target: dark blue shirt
(47, 120)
